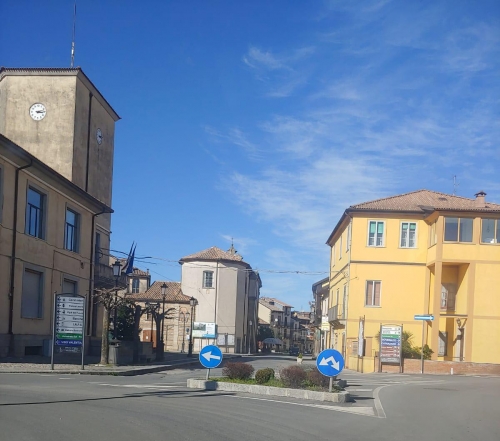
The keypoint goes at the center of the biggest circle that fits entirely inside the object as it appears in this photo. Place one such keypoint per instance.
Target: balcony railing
(104, 278)
(335, 313)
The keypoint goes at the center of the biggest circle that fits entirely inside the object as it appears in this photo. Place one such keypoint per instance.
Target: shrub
(264, 375)
(238, 371)
(293, 376)
(315, 378)
(299, 355)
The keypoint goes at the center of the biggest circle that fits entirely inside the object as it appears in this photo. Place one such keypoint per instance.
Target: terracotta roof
(174, 293)
(263, 322)
(425, 200)
(265, 302)
(135, 271)
(215, 254)
(275, 300)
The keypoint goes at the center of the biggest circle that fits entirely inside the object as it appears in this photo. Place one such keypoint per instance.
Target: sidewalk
(41, 365)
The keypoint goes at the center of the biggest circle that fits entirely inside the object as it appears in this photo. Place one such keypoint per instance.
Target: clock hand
(40, 111)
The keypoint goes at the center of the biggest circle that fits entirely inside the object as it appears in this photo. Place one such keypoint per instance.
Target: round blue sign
(210, 356)
(330, 362)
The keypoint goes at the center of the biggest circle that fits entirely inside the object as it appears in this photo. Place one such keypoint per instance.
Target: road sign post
(69, 324)
(330, 363)
(424, 318)
(210, 357)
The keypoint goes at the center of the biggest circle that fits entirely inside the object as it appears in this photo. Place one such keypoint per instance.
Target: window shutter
(31, 305)
(369, 293)
(376, 297)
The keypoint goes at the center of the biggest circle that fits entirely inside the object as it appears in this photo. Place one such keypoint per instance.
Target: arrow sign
(210, 356)
(424, 317)
(330, 362)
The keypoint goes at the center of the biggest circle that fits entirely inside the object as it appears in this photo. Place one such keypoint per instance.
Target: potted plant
(299, 358)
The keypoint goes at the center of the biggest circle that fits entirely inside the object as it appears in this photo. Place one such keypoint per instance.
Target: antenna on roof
(73, 39)
(455, 184)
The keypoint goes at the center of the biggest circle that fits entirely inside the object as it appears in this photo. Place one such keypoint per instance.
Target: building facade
(227, 291)
(279, 315)
(46, 226)
(418, 253)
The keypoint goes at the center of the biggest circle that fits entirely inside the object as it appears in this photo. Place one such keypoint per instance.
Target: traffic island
(334, 397)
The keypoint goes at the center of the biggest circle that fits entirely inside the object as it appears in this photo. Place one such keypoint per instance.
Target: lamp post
(162, 341)
(249, 336)
(117, 270)
(192, 302)
(184, 316)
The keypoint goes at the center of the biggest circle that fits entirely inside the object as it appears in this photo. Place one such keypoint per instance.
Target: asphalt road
(159, 406)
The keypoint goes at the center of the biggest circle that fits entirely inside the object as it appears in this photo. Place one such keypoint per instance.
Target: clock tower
(60, 117)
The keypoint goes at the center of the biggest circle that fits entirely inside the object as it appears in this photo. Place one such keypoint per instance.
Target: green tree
(264, 332)
(125, 322)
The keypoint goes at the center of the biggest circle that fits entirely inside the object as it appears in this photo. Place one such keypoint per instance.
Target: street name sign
(210, 356)
(423, 317)
(330, 362)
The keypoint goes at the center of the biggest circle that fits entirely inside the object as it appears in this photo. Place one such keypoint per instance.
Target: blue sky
(263, 121)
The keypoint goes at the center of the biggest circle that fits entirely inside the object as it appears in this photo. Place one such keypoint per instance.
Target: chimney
(480, 202)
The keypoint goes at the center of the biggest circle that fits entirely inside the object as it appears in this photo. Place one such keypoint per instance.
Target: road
(159, 406)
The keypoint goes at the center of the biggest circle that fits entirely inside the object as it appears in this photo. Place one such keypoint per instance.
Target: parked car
(294, 351)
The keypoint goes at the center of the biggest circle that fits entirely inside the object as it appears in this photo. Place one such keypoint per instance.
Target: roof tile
(174, 293)
(214, 253)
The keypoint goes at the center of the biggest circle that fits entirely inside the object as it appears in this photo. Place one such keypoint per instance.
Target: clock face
(38, 111)
(98, 135)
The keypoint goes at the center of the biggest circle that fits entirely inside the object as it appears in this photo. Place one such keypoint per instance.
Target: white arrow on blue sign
(210, 356)
(424, 317)
(330, 362)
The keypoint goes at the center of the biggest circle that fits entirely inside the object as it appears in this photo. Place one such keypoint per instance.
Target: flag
(128, 268)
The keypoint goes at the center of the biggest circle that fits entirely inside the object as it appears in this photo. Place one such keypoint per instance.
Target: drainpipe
(91, 272)
(88, 144)
(13, 258)
(346, 306)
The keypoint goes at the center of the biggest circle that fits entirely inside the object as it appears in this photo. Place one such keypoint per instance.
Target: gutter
(13, 256)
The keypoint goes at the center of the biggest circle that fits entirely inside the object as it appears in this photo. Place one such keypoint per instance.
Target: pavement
(386, 407)
(41, 365)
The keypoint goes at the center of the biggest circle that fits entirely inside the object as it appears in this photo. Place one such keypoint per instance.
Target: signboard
(204, 330)
(210, 356)
(429, 317)
(69, 324)
(361, 337)
(221, 339)
(390, 343)
(325, 324)
(330, 362)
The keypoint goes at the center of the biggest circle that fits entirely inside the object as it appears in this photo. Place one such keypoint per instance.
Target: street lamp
(249, 336)
(192, 302)
(184, 316)
(117, 271)
(162, 342)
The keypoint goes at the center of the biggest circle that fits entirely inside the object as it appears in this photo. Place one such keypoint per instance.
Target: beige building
(59, 117)
(279, 315)
(177, 322)
(227, 290)
(46, 225)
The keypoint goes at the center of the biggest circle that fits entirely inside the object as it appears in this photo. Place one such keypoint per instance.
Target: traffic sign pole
(53, 334)
(422, 350)
(330, 387)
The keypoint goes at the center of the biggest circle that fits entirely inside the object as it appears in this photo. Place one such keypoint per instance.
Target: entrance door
(147, 336)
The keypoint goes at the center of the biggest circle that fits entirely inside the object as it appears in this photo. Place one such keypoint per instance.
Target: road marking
(364, 411)
(360, 390)
(378, 403)
(138, 386)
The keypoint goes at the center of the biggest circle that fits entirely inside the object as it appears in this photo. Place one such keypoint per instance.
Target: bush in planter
(293, 376)
(315, 378)
(262, 376)
(300, 355)
(238, 371)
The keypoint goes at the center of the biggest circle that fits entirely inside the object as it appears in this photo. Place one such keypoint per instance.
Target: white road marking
(378, 403)
(360, 390)
(364, 411)
(138, 386)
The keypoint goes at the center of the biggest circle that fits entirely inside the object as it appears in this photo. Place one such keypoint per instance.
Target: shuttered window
(32, 294)
(373, 288)
(376, 233)
(443, 344)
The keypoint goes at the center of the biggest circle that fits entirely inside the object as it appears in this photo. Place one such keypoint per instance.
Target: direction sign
(210, 356)
(330, 362)
(69, 320)
(424, 317)
(390, 343)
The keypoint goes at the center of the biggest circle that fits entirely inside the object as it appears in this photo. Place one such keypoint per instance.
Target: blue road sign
(210, 356)
(68, 342)
(330, 362)
(424, 317)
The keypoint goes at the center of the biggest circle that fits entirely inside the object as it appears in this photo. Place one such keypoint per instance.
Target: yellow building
(422, 252)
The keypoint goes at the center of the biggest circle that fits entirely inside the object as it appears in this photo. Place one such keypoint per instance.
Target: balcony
(104, 278)
(336, 316)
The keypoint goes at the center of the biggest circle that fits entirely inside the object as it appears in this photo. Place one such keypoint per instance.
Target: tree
(264, 332)
(110, 300)
(125, 322)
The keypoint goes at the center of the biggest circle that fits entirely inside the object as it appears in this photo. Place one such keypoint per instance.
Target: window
(333, 255)
(376, 233)
(35, 208)
(71, 231)
(32, 294)
(340, 247)
(69, 287)
(448, 296)
(1, 193)
(490, 230)
(408, 235)
(372, 297)
(97, 251)
(208, 279)
(458, 229)
(433, 234)
(344, 301)
(443, 343)
(348, 241)
(135, 286)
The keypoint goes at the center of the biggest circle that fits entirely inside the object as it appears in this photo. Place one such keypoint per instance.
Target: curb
(334, 397)
(118, 373)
